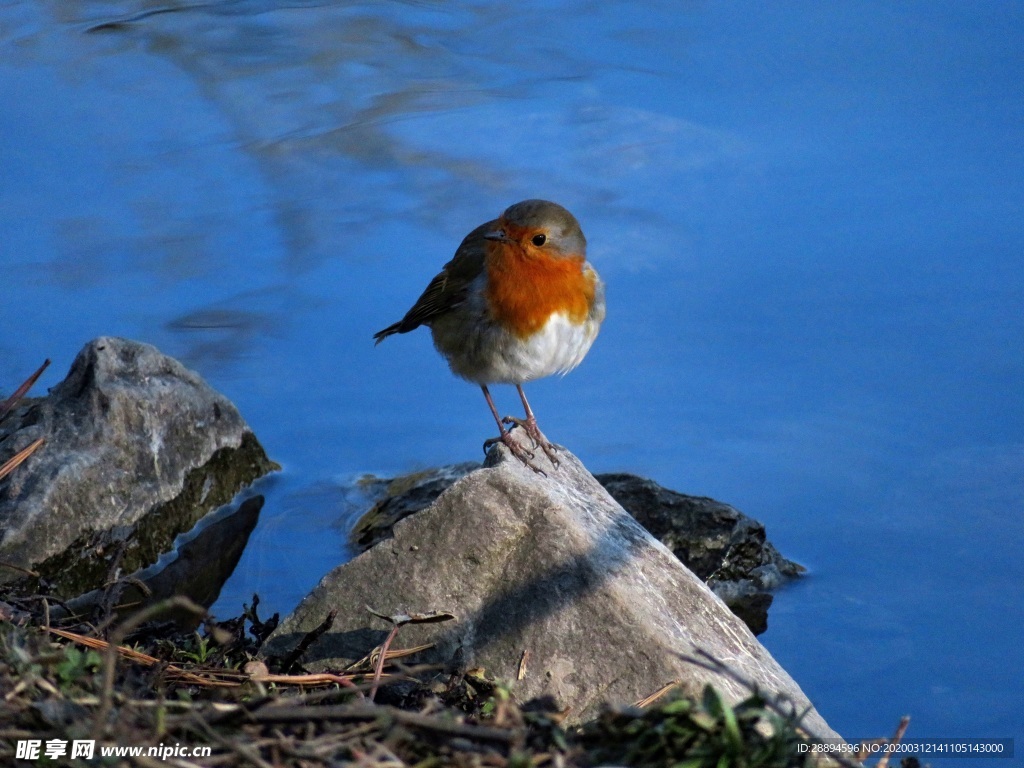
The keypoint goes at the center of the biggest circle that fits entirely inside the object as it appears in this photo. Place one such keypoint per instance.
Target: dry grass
(148, 684)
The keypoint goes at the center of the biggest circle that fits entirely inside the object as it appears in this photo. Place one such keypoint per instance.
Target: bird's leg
(505, 438)
(530, 425)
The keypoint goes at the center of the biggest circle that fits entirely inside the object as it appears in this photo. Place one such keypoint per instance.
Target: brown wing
(448, 290)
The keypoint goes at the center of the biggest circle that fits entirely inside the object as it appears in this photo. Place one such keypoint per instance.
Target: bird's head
(540, 228)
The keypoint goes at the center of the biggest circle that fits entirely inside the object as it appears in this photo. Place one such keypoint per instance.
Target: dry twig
(16, 460)
(307, 640)
(646, 702)
(20, 392)
(897, 737)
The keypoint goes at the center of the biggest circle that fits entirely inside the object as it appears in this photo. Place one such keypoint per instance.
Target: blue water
(810, 217)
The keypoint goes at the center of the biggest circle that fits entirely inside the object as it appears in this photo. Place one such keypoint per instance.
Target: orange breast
(525, 289)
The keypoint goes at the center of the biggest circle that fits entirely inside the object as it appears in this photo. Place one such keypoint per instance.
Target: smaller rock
(200, 567)
(137, 449)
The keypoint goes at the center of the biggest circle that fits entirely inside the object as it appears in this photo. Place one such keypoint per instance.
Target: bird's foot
(529, 425)
(517, 450)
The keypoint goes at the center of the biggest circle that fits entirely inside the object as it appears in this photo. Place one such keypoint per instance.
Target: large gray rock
(138, 448)
(728, 550)
(550, 566)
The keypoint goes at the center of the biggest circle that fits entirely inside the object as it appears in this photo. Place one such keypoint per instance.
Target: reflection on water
(808, 217)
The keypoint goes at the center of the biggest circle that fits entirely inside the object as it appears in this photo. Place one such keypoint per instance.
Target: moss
(84, 565)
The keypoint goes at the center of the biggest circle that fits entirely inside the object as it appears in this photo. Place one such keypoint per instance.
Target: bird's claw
(515, 420)
(524, 455)
(529, 425)
(512, 445)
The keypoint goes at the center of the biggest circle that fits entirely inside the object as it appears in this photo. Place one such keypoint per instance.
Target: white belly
(494, 356)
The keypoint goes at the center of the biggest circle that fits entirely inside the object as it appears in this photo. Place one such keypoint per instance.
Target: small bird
(517, 302)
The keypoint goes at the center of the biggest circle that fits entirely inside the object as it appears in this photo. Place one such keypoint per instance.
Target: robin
(517, 302)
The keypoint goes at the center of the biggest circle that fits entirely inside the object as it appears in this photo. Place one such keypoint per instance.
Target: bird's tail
(391, 330)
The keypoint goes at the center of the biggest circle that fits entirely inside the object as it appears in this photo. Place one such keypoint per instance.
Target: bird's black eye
(539, 240)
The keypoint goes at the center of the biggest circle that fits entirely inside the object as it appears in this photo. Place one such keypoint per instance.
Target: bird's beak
(497, 236)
